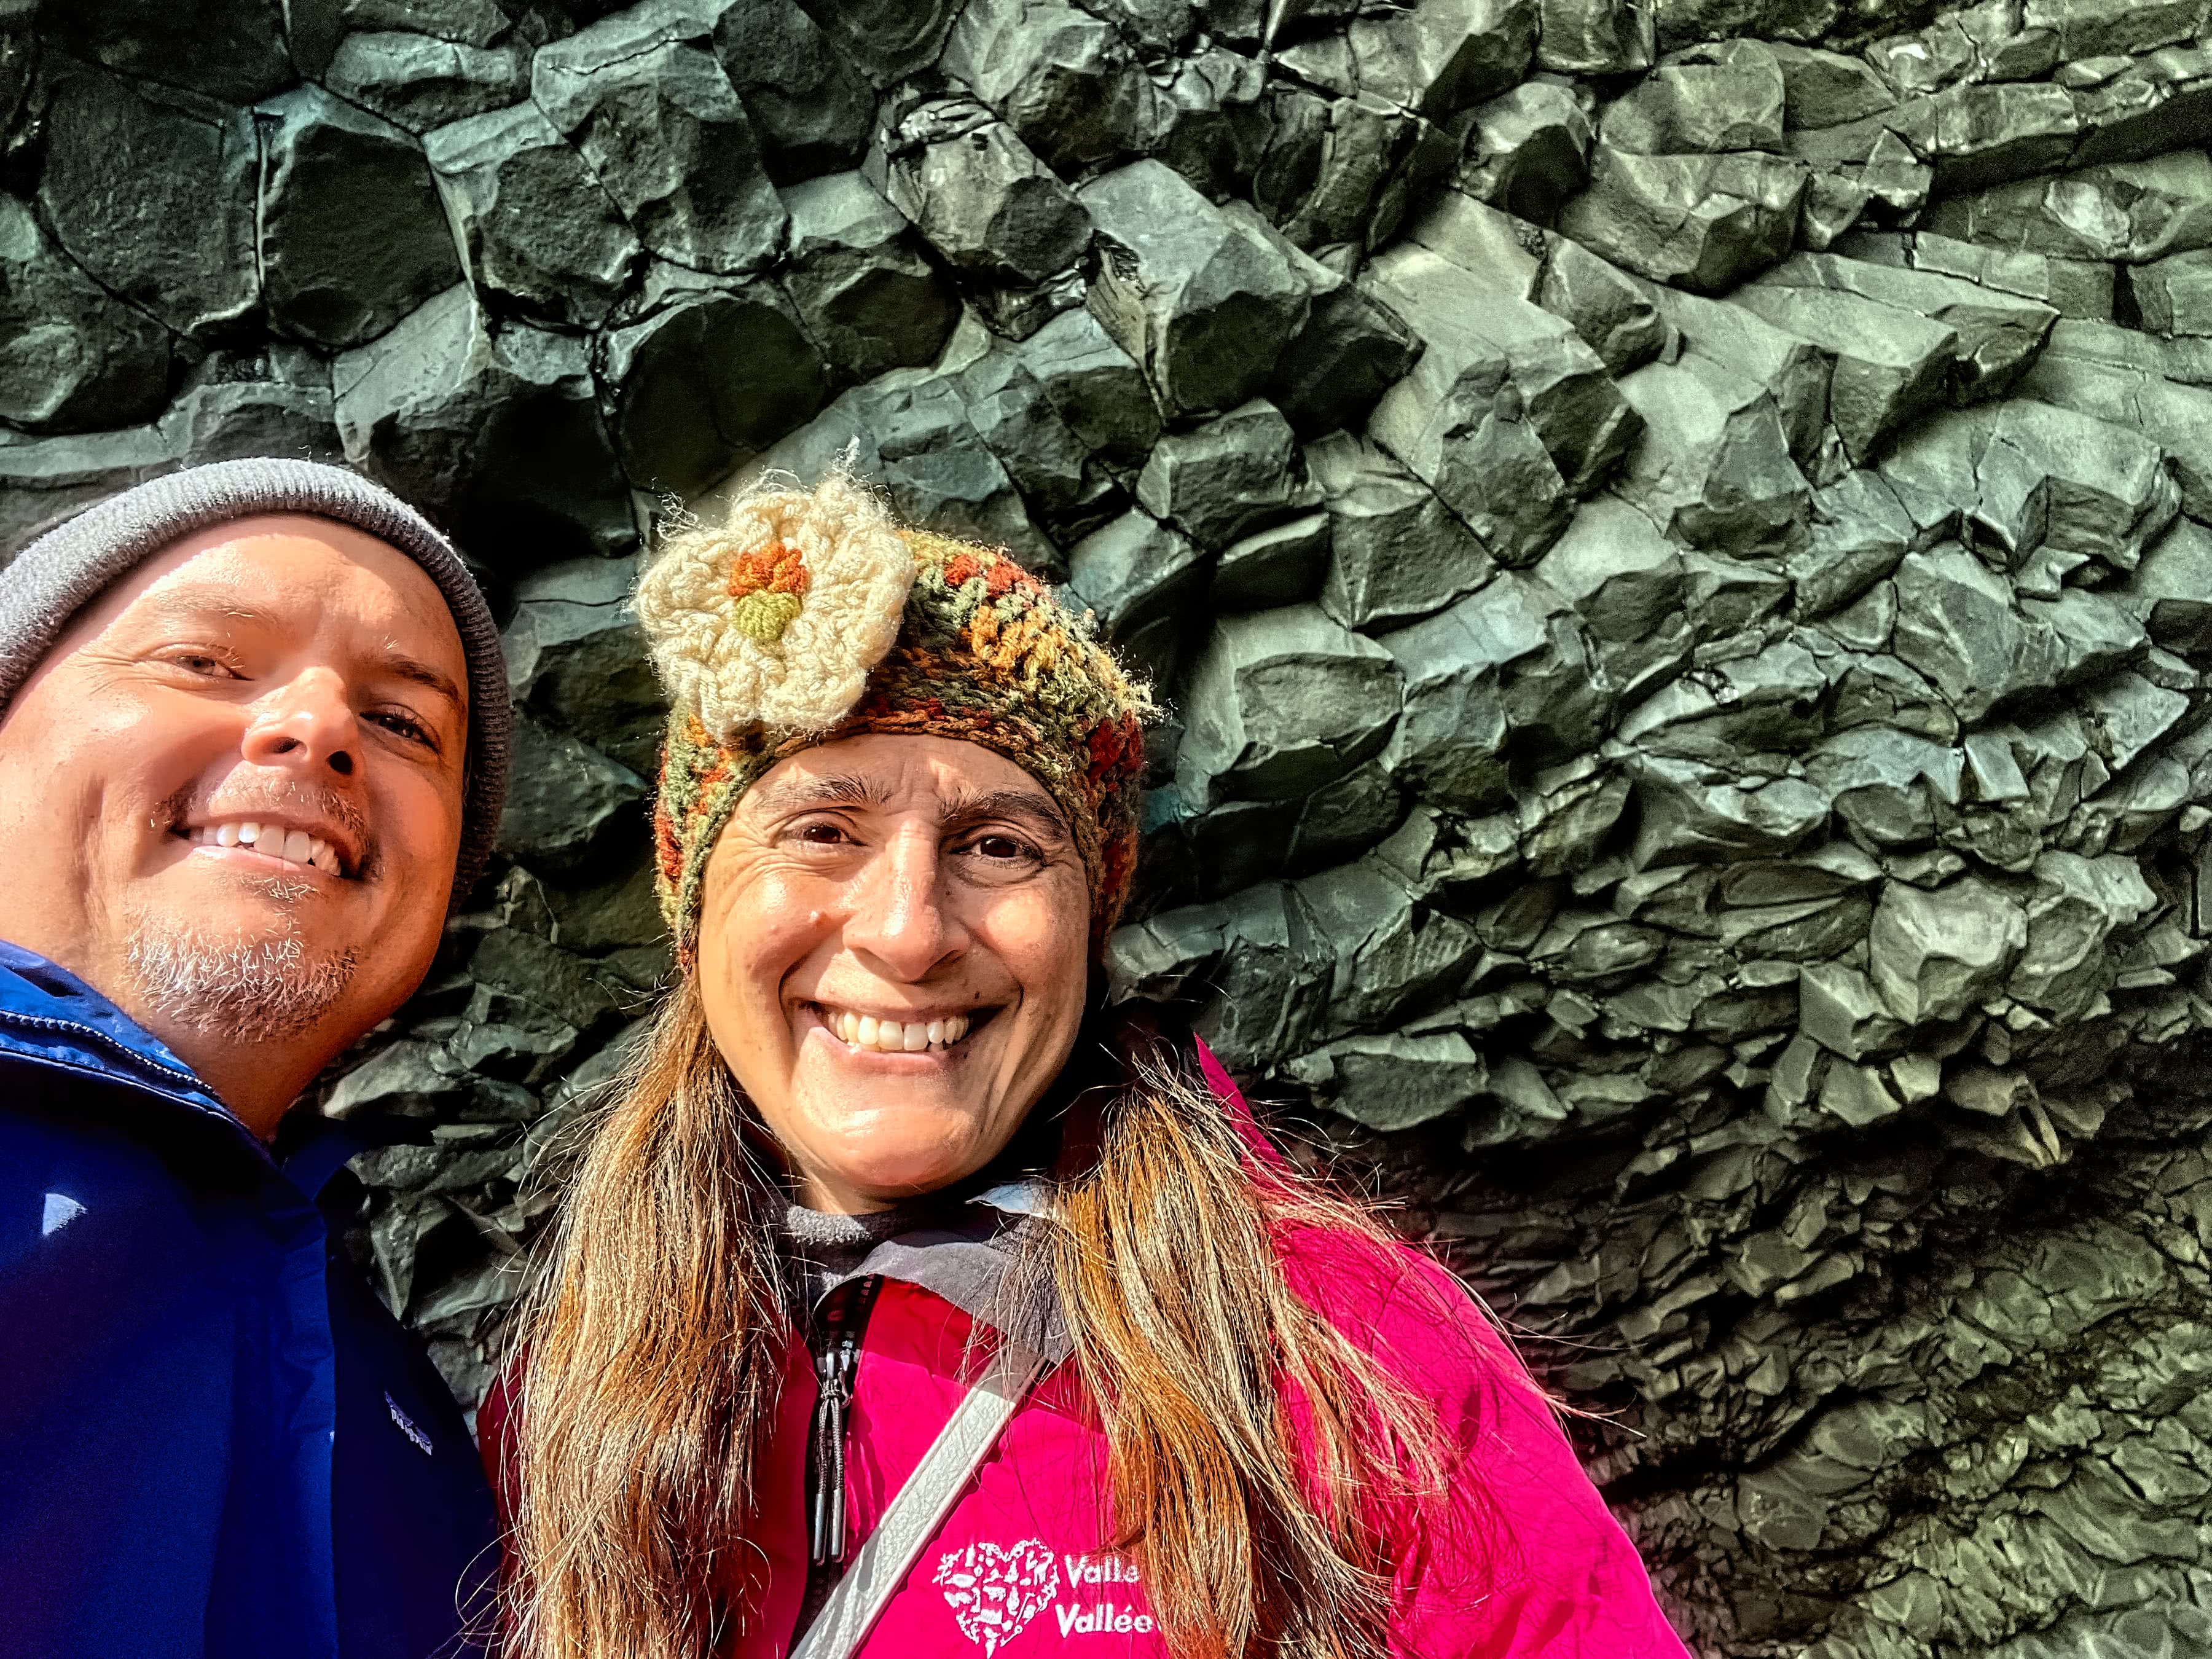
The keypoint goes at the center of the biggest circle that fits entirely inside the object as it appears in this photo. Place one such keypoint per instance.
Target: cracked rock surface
(1674, 539)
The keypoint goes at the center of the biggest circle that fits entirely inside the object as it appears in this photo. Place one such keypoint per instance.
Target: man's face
(230, 798)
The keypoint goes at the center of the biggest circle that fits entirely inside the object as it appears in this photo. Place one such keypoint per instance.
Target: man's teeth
(892, 1036)
(293, 846)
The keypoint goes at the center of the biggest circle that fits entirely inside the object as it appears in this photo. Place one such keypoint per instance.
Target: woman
(890, 1179)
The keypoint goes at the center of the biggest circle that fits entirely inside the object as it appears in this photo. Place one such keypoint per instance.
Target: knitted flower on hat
(775, 616)
(809, 616)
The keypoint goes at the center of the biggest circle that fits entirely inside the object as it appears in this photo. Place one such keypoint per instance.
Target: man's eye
(820, 834)
(1004, 848)
(405, 726)
(202, 662)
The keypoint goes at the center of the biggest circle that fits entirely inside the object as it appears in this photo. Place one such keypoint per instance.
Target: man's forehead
(262, 570)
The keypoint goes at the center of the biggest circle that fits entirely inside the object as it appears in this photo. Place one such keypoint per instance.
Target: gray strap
(880, 1566)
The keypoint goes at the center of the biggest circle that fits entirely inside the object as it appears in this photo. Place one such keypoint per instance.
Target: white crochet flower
(821, 579)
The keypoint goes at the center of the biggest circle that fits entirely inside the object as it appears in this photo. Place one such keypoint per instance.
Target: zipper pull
(841, 1319)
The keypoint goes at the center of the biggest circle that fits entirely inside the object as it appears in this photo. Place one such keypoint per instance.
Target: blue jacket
(214, 1441)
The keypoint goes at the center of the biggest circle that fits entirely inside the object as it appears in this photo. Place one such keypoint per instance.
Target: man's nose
(900, 914)
(306, 726)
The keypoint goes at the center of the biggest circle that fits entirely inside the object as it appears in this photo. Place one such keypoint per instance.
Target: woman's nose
(900, 916)
(307, 726)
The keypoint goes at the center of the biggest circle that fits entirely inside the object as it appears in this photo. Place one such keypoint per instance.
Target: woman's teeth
(891, 1037)
(293, 846)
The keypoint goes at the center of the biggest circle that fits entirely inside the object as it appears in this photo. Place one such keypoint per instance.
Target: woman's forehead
(890, 772)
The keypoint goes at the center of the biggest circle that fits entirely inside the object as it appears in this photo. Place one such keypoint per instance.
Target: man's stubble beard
(264, 988)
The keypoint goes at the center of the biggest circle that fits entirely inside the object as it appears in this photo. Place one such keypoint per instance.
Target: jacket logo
(994, 1592)
(416, 1438)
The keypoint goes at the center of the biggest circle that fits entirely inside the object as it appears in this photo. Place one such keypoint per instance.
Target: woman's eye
(202, 662)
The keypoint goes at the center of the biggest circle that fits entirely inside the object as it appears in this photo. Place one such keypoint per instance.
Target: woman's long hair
(1254, 1449)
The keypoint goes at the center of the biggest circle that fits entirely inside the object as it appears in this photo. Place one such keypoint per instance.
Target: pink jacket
(1527, 1560)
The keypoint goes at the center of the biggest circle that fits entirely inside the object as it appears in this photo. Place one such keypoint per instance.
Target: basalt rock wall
(1676, 538)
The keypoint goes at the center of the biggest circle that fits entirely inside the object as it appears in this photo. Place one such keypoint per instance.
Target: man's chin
(253, 986)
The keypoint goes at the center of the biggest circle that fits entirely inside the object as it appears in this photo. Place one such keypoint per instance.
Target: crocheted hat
(808, 616)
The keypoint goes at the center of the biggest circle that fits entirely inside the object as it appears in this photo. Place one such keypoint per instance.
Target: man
(253, 730)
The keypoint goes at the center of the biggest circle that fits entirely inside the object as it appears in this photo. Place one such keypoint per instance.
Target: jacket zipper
(839, 1324)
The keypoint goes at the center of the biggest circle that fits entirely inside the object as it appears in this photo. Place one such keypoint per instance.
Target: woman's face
(893, 952)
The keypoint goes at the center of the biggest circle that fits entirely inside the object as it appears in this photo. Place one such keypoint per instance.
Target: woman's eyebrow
(1027, 804)
(836, 790)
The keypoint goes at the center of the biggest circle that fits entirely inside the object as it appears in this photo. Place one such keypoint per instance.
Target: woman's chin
(885, 1165)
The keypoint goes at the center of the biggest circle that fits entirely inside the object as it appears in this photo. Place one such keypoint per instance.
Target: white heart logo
(994, 1593)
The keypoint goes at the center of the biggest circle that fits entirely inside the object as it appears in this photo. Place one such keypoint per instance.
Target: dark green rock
(2171, 591)
(809, 105)
(1438, 57)
(44, 481)
(576, 657)
(1703, 101)
(1505, 672)
(2173, 295)
(1349, 351)
(1280, 702)
(1827, 88)
(1234, 473)
(1282, 566)
(72, 357)
(1346, 169)
(713, 378)
(1507, 415)
(1998, 335)
(1629, 585)
(1069, 82)
(1609, 309)
(567, 804)
(886, 41)
(153, 193)
(977, 194)
(1395, 550)
(2030, 477)
(232, 420)
(2132, 211)
(1529, 148)
(19, 51)
(1013, 412)
(665, 133)
(1198, 299)
(871, 300)
(1273, 975)
(1858, 532)
(419, 82)
(1703, 222)
(1098, 388)
(533, 221)
(1593, 36)
(1140, 579)
(232, 50)
(1212, 124)
(1890, 365)
(317, 30)
(1713, 466)
(353, 237)
(497, 426)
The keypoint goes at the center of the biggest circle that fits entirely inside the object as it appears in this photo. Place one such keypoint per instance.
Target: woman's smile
(920, 1041)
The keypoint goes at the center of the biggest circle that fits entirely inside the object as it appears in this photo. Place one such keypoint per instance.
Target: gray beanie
(63, 571)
